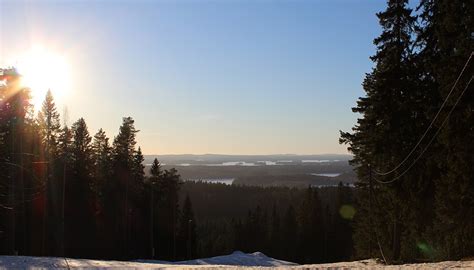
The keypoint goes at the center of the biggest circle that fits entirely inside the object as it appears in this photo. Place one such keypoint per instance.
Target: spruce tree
(119, 192)
(385, 134)
(79, 198)
(138, 167)
(446, 40)
(102, 160)
(49, 124)
(49, 128)
(153, 181)
(16, 125)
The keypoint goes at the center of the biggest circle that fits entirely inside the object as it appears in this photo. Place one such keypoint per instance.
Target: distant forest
(65, 192)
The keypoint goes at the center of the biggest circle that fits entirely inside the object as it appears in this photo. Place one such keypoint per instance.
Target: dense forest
(65, 192)
(412, 143)
(306, 225)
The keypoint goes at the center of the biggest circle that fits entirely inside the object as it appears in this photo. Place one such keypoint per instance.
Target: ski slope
(236, 260)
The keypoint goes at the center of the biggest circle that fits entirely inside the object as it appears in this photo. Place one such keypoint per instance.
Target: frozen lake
(227, 181)
(326, 174)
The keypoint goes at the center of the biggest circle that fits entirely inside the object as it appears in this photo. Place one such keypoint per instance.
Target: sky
(223, 77)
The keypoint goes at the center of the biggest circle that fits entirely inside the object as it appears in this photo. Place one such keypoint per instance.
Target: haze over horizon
(203, 77)
(237, 154)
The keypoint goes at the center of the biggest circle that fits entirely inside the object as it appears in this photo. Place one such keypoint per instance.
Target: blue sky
(230, 77)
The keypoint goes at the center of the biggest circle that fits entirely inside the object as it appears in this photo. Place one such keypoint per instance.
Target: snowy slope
(23, 262)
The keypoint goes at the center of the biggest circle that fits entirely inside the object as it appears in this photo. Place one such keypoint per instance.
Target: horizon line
(213, 154)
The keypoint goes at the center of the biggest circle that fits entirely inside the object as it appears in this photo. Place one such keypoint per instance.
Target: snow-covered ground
(236, 260)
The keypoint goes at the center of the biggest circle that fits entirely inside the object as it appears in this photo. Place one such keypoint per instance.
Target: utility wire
(431, 124)
(432, 139)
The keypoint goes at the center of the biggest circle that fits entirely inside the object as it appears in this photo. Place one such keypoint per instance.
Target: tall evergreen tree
(153, 181)
(118, 194)
(446, 40)
(102, 160)
(15, 127)
(49, 124)
(49, 129)
(385, 134)
(79, 199)
(138, 168)
(64, 167)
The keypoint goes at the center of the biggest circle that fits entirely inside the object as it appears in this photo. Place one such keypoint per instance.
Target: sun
(43, 69)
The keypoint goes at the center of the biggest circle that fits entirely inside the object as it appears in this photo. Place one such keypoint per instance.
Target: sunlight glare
(41, 70)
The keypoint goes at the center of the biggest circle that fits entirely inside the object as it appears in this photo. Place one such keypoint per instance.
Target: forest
(67, 192)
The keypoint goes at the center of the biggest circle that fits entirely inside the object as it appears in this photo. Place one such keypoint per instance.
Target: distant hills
(219, 158)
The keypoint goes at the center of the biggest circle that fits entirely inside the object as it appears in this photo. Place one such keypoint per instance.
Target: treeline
(67, 193)
(412, 144)
(309, 225)
(295, 180)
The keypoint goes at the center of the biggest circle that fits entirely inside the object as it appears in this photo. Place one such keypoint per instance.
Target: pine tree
(49, 124)
(63, 172)
(138, 167)
(65, 144)
(49, 129)
(102, 160)
(446, 45)
(15, 124)
(81, 149)
(386, 133)
(153, 181)
(79, 198)
(119, 193)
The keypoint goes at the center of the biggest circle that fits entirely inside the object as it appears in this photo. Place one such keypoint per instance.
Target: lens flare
(347, 211)
(426, 249)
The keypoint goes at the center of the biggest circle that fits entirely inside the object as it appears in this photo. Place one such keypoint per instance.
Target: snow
(315, 160)
(236, 260)
(227, 181)
(326, 174)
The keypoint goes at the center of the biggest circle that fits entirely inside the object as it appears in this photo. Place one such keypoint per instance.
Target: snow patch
(236, 258)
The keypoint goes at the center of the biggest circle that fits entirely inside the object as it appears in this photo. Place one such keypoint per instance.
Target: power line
(431, 124)
(432, 139)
